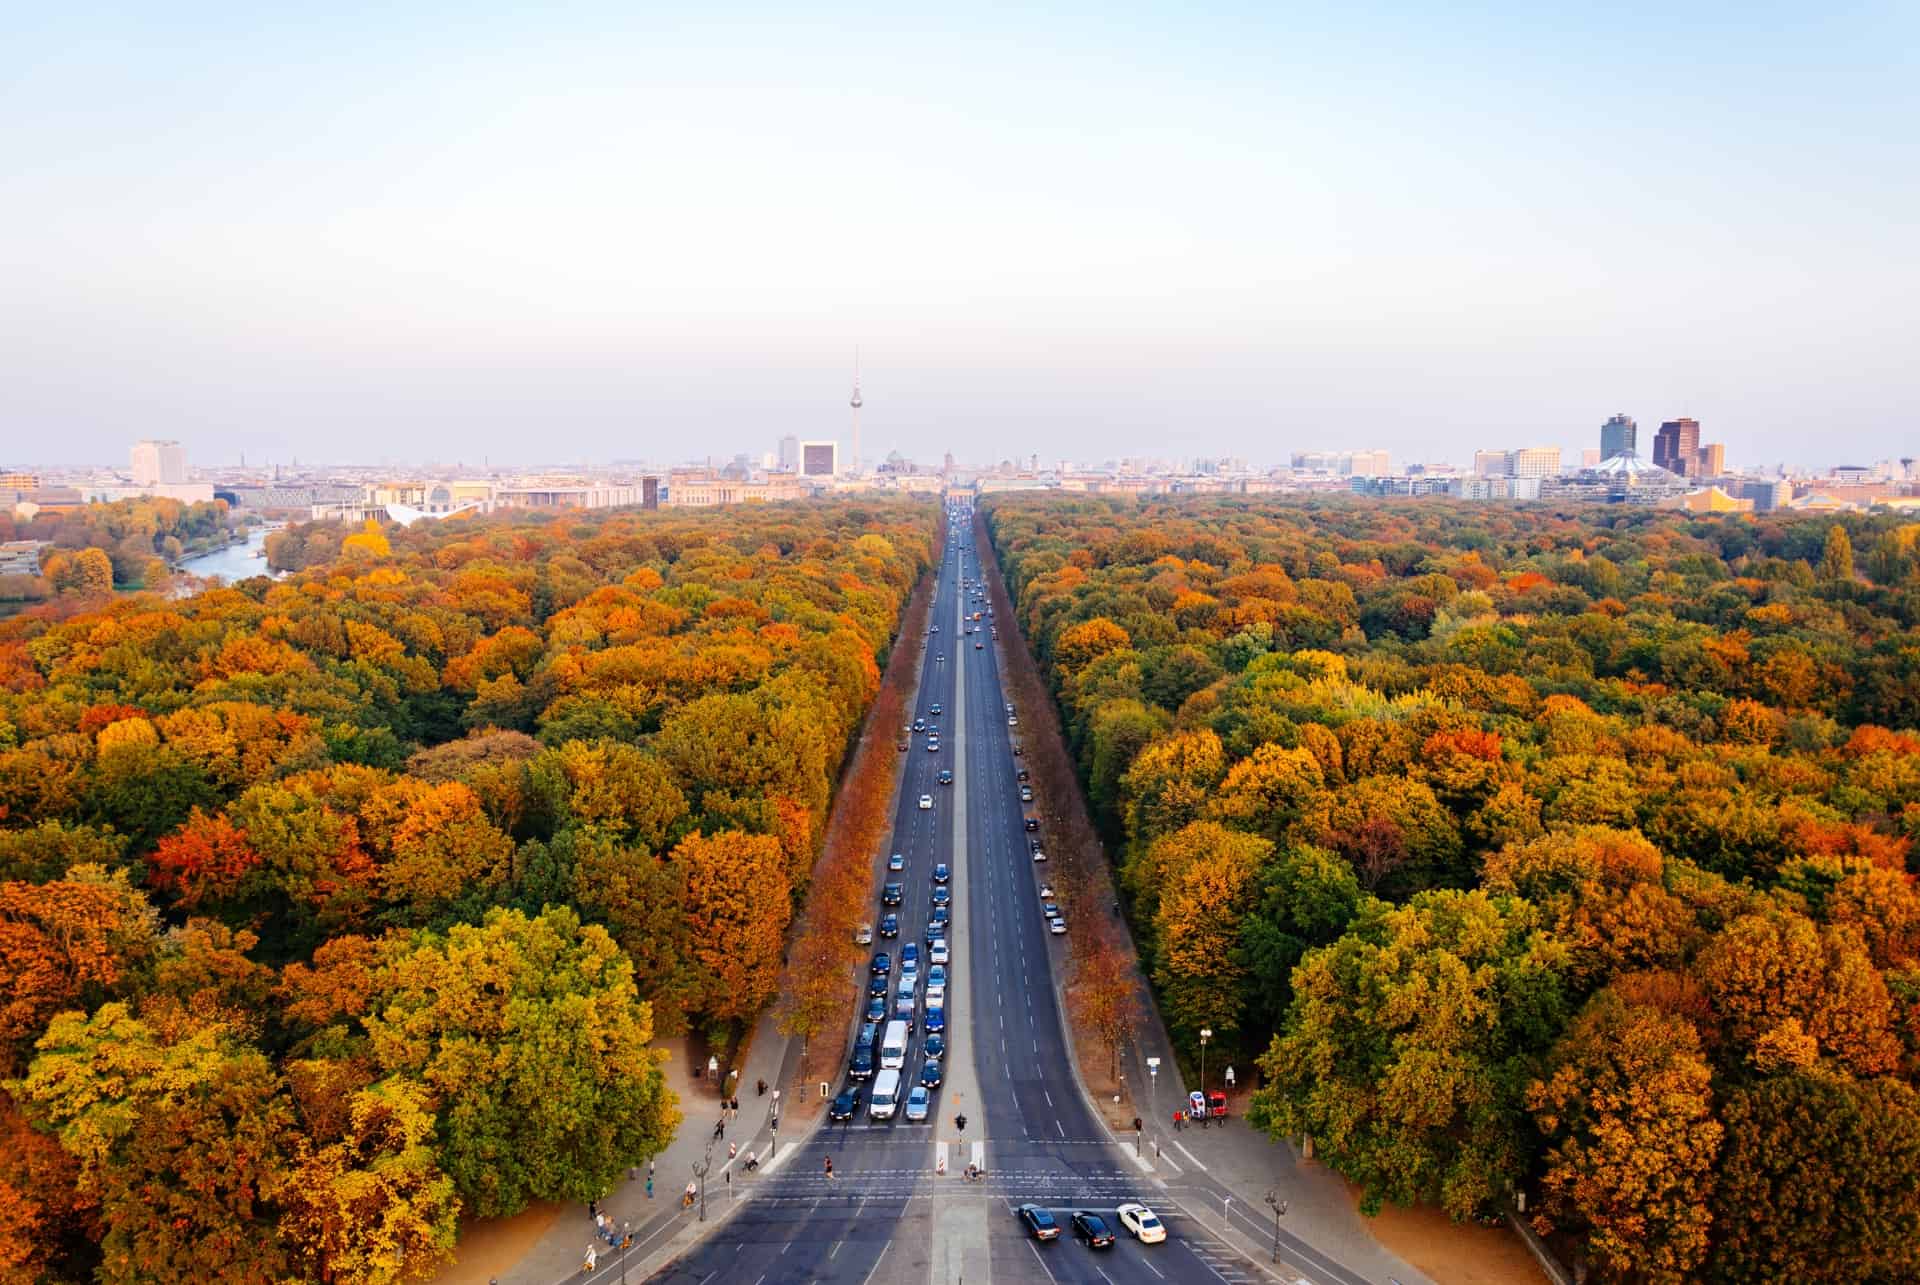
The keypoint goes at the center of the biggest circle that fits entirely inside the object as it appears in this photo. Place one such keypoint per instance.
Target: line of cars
(1134, 1218)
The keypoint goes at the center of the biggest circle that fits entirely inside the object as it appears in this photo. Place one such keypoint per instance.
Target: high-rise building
(819, 459)
(1534, 461)
(1619, 436)
(158, 463)
(789, 454)
(1370, 464)
(1676, 446)
(1491, 464)
(1712, 459)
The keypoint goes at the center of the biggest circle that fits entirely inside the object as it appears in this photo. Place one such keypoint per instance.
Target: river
(235, 562)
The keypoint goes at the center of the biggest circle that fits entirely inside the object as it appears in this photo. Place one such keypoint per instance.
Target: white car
(1039, 855)
(1046, 892)
(1057, 925)
(939, 952)
(863, 935)
(1141, 1224)
(1012, 721)
(926, 803)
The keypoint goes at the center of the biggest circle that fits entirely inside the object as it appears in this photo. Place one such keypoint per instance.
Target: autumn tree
(737, 907)
(1836, 556)
(1627, 1110)
(64, 944)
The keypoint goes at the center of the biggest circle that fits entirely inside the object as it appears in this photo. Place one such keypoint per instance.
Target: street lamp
(1279, 1208)
(700, 1172)
(775, 1150)
(1205, 1035)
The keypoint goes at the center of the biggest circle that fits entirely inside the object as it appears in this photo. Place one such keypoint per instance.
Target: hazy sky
(584, 230)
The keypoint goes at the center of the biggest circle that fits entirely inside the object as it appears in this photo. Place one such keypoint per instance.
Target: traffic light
(1136, 1124)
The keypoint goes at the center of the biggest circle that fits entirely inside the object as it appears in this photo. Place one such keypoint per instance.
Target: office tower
(1491, 464)
(819, 459)
(790, 454)
(1712, 459)
(1677, 445)
(154, 462)
(1534, 461)
(1619, 436)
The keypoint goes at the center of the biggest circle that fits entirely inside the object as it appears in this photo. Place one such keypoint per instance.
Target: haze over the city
(595, 230)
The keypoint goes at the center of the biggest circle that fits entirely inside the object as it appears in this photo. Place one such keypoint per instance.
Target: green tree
(1836, 556)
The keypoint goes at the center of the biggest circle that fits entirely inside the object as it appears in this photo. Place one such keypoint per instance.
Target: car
(980, 646)
(936, 1017)
(1046, 892)
(1092, 1228)
(930, 1074)
(941, 873)
(942, 895)
(877, 984)
(1023, 775)
(1019, 750)
(937, 975)
(869, 1032)
(1049, 909)
(1039, 854)
(892, 893)
(919, 1101)
(880, 963)
(1033, 823)
(941, 915)
(1141, 1224)
(936, 997)
(863, 935)
(861, 1065)
(1038, 1222)
(926, 803)
(877, 1010)
(919, 724)
(889, 925)
(936, 1046)
(904, 747)
(946, 777)
(1057, 925)
(1009, 707)
(1026, 794)
(1033, 845)
(1012, 721)
(937, 711)
(941, 659)
(936, 928)
(938, 950)
(1196, 1105)
(844, 1106)
(896, 862)
(933, 745)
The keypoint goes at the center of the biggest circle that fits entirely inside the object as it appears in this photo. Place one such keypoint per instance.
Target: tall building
(1619, 436)
(790, 454)
(1534, 461)
(1490, 464)
(1712, 459)
(1370, 464)
(819, 459)
(158, 463)
(1676, 446)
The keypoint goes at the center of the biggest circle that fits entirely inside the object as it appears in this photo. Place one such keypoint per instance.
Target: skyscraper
(158, 463)
(1619, 436)
(790, 454)
(1534, 461)
(1676, 447)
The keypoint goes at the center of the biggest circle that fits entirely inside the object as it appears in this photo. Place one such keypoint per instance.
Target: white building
(156, 462)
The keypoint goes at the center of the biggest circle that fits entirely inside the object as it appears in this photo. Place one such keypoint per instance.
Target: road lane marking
(1036, 1258)
(876, 1263)
(1189, 1155)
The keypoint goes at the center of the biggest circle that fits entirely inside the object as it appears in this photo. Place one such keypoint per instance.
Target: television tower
(853, 462)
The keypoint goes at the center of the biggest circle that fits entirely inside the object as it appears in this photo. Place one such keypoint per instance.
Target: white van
(885, 1096)
(893, 1047)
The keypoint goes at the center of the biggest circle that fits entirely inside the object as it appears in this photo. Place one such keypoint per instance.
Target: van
(893, 1047)
(885, 1096)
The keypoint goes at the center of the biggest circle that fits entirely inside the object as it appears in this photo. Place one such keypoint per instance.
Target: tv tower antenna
(854, 462)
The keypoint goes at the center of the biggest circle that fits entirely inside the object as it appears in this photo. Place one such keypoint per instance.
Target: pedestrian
(761, 1088)
(649, 1186)
(829, 1166)
(736, 1107)
(600, 1221)
(593, 1257)
(593, 1211)
(720, 1128)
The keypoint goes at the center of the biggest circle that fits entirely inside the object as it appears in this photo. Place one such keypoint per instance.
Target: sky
(586, 231)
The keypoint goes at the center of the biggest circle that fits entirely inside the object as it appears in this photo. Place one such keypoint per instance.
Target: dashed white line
(1039, 1260)
(876, 1262)
(1189, 1155)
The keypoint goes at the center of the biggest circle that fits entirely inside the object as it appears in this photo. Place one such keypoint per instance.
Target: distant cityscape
(1681, 471)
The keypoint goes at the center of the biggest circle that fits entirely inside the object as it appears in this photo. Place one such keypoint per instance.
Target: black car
(881, 964)
(861, 1067)
(877, 984)
(941, 895)
(930, 1074)
(1092, 1228)
(844, 1106)
(889, 925)
(936, 709)
(1039, 1222)
(1033, 824)
(946, 778)
(919, 724)
(890, 894)
(941, 874)
(1023, 775)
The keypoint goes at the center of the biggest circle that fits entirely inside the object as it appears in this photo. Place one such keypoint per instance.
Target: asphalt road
(886, 1214)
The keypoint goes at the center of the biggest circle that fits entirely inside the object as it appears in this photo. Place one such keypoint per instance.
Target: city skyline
(1245, 232)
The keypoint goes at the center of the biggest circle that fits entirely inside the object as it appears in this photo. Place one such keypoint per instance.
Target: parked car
(1046, 892)
(846, 1104)
(863, 935)
(1141, 1224)
(1057, 925)
(1092, 1228)
(1012, 721)
(1033, 823)
(1038, 853)
(1038, 1222)
(1023, 775)
(1026, 794)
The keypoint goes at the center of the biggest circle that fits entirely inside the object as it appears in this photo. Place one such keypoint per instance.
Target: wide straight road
(888, 1213)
